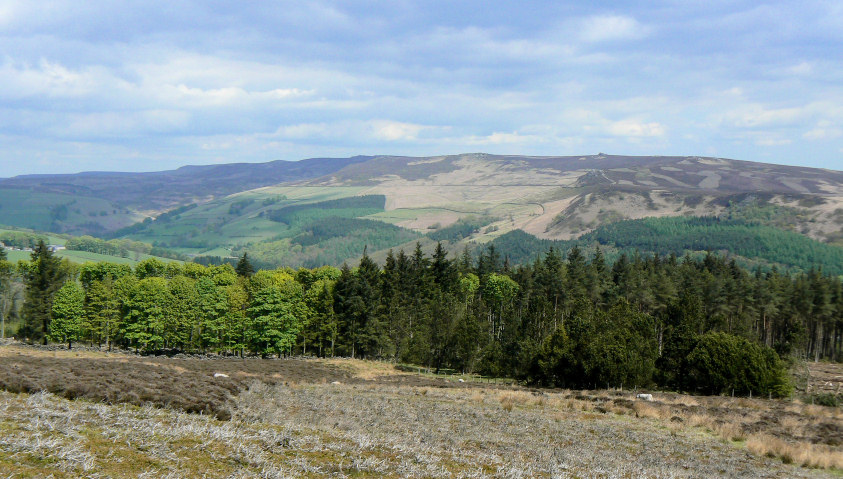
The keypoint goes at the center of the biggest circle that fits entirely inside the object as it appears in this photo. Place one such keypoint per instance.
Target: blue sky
(147, 85)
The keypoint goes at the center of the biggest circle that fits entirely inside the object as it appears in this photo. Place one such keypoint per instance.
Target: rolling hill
(464, 200)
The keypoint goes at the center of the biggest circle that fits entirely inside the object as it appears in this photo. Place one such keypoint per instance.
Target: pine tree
(43, 278)
(244, 267)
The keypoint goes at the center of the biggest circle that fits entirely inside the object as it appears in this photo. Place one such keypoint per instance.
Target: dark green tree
(43, 278)
(244, 267)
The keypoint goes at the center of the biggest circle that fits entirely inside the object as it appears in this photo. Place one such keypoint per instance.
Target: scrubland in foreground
(378, 422)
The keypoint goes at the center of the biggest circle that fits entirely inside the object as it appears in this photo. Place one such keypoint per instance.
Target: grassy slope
(210, 226)
(72, 213)
(84, 257)
(752, 243)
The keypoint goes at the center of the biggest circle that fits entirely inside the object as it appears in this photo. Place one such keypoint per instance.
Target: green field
(214, 228)
(84, 257)
(50, 238)
(59, 212)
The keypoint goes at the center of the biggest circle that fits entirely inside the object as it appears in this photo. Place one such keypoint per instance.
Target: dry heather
(188, 384)
(182, 383)
(290, 418)
(363, 430)
(793, 432)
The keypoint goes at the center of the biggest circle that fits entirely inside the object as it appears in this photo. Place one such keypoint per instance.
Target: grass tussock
(807, 455)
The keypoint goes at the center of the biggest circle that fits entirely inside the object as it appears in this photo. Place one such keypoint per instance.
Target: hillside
(751, 244)
(101, 202)
(465, 200)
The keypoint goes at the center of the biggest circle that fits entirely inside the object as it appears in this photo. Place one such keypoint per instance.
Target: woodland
(702, 325)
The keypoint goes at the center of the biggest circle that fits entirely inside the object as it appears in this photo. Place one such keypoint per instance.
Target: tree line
(704, 325)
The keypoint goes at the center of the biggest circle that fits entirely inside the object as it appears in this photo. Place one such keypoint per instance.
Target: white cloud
(801, 69)
(636, 129)
(304, 131)
(354, 130)
(823, 132)
(227, 96)
(770, 141)
(120, 124)
(502, 138)
(262, 81)
(395, 131)
(47, 79)
(601, 28)
(755, 115)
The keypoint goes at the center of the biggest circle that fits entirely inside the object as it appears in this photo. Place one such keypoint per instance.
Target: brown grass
(804, 434)
(807, 455)
(361, 369)
(807, 435)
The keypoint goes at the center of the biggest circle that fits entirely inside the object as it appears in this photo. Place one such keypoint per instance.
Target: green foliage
(460, 230)
(274, 318)
(146, 313)
(237, 207)
(150, 268)
(118, 247)
(596, 348)
(329, 241)
(352, 207)
(826, 399)
(522, 247)
(721, 363)
(21, 239)
(44, 276)
(755, 243)
(90, 272)
(691, 324)
(68, 313)
(244, 267)
(677, 235)
(103, 298)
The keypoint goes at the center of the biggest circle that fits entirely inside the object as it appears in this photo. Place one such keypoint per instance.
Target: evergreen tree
(43, 278)
(244, 267)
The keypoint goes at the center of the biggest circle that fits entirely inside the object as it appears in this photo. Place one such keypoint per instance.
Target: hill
(466, 200)
(101, 202)
(750, 244)
(81, 249)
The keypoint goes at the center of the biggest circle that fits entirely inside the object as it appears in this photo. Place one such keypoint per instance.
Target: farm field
(85, 256)
(336, 418)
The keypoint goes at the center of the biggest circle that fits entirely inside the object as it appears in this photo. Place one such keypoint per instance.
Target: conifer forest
(697, 325)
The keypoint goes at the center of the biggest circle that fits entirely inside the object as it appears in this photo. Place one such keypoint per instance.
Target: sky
(148, 85)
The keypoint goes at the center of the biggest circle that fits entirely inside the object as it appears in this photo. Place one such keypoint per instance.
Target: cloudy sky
(146, 85)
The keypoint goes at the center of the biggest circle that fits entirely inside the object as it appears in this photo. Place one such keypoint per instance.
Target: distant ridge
(468, 200)
(164, 189)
